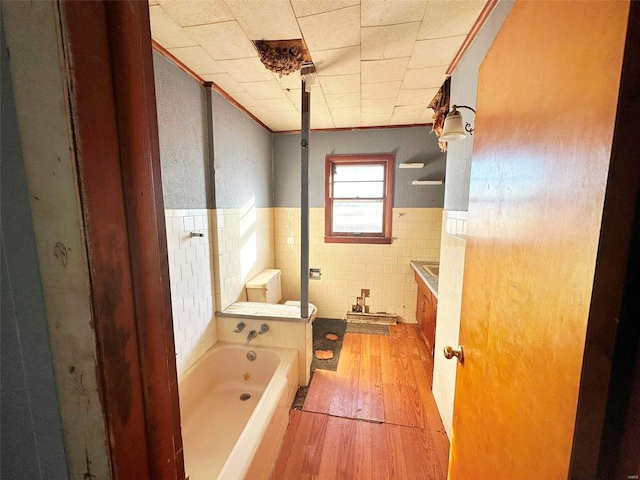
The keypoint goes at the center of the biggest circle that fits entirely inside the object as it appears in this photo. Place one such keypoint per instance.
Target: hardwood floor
(373, 418)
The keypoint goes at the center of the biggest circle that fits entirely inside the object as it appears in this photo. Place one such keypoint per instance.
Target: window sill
(358, 239)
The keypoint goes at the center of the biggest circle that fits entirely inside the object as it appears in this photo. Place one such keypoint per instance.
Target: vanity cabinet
(426, 310)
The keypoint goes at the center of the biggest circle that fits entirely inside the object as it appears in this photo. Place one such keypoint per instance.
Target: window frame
(385, 159)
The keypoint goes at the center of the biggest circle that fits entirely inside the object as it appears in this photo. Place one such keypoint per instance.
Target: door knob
(450, 352)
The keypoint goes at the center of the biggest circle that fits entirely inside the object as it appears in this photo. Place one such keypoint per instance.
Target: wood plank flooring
(373, 418)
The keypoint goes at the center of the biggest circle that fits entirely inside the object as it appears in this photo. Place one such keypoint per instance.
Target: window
(358, 198)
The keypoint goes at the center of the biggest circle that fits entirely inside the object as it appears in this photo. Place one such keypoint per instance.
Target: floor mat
(321, 328)
(368, 328)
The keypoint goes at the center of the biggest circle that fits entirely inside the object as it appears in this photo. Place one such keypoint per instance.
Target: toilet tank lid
(262, 279)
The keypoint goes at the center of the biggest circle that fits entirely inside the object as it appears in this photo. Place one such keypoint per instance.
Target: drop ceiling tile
(380, 71)
(266, 19)
(347, 122)
(391, 12)
(244, 99)
(449, 18)
(295, 97)
(421, 96)
(336, 29)
(427, 116)
(291, 81)
(375, 119)
(322, 122)
(166, 31)
(321, 109)
(375, 91)
(223, 41)
(403, 120)
(224, 81)
(282, 121)
(246, 70)
(264, 90)
(317, 98)
(197, 59)
(408, 110)
(431, 53)
(273, 105)
(390, 41)
(321, 117)
(347, 112)
(304, 8)
(317, 95)
(188, 13)
(344, 100)
(332, 85)
(380, 106)
(424, 77)
(339, 61)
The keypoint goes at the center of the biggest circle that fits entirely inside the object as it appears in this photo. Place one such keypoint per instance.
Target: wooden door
(547, 102)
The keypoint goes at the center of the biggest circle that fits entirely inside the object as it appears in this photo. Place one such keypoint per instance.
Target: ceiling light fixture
(453, 129)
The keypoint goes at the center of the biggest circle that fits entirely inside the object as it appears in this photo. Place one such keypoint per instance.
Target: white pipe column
(307, 74)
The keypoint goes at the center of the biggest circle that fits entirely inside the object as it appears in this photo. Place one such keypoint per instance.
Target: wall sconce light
(453, 129)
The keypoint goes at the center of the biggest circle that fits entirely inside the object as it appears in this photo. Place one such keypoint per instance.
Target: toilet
(266, 287)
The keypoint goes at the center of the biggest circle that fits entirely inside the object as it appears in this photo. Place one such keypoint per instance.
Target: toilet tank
(265, 287)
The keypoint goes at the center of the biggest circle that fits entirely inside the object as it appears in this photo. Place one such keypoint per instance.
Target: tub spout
(252, 334)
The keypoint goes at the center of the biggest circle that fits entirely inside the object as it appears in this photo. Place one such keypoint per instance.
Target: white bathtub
(228, 438)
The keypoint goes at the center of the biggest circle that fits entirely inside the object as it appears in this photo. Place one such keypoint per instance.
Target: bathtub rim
(232, 312)
(237, 464)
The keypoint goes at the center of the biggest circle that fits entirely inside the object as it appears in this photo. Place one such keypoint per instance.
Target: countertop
(430, 280)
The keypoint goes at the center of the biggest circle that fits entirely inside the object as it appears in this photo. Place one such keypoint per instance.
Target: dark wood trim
(108, 47)
(355, 129)
(212, 85)
(386, 159)
(475, 29)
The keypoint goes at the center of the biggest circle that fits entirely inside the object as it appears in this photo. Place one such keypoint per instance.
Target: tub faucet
(264, 328)
(239, 327)
(252, 334)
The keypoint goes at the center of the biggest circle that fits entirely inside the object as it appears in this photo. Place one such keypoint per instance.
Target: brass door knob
(450, 352)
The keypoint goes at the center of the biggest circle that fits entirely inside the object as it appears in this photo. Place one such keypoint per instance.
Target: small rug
(323, 328)
(368, 328)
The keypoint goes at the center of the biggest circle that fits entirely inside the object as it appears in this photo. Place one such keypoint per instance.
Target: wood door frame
(107, 48)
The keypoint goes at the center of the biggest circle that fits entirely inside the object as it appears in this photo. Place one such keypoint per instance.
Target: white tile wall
(190, 275)
(347, 268)
(449, 306)
(243, 249)
(240, 243)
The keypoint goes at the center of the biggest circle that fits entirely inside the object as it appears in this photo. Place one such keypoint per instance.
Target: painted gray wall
(31, 439)
(242, 157)
(182, 130)
(408, 145)
(464, 91)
